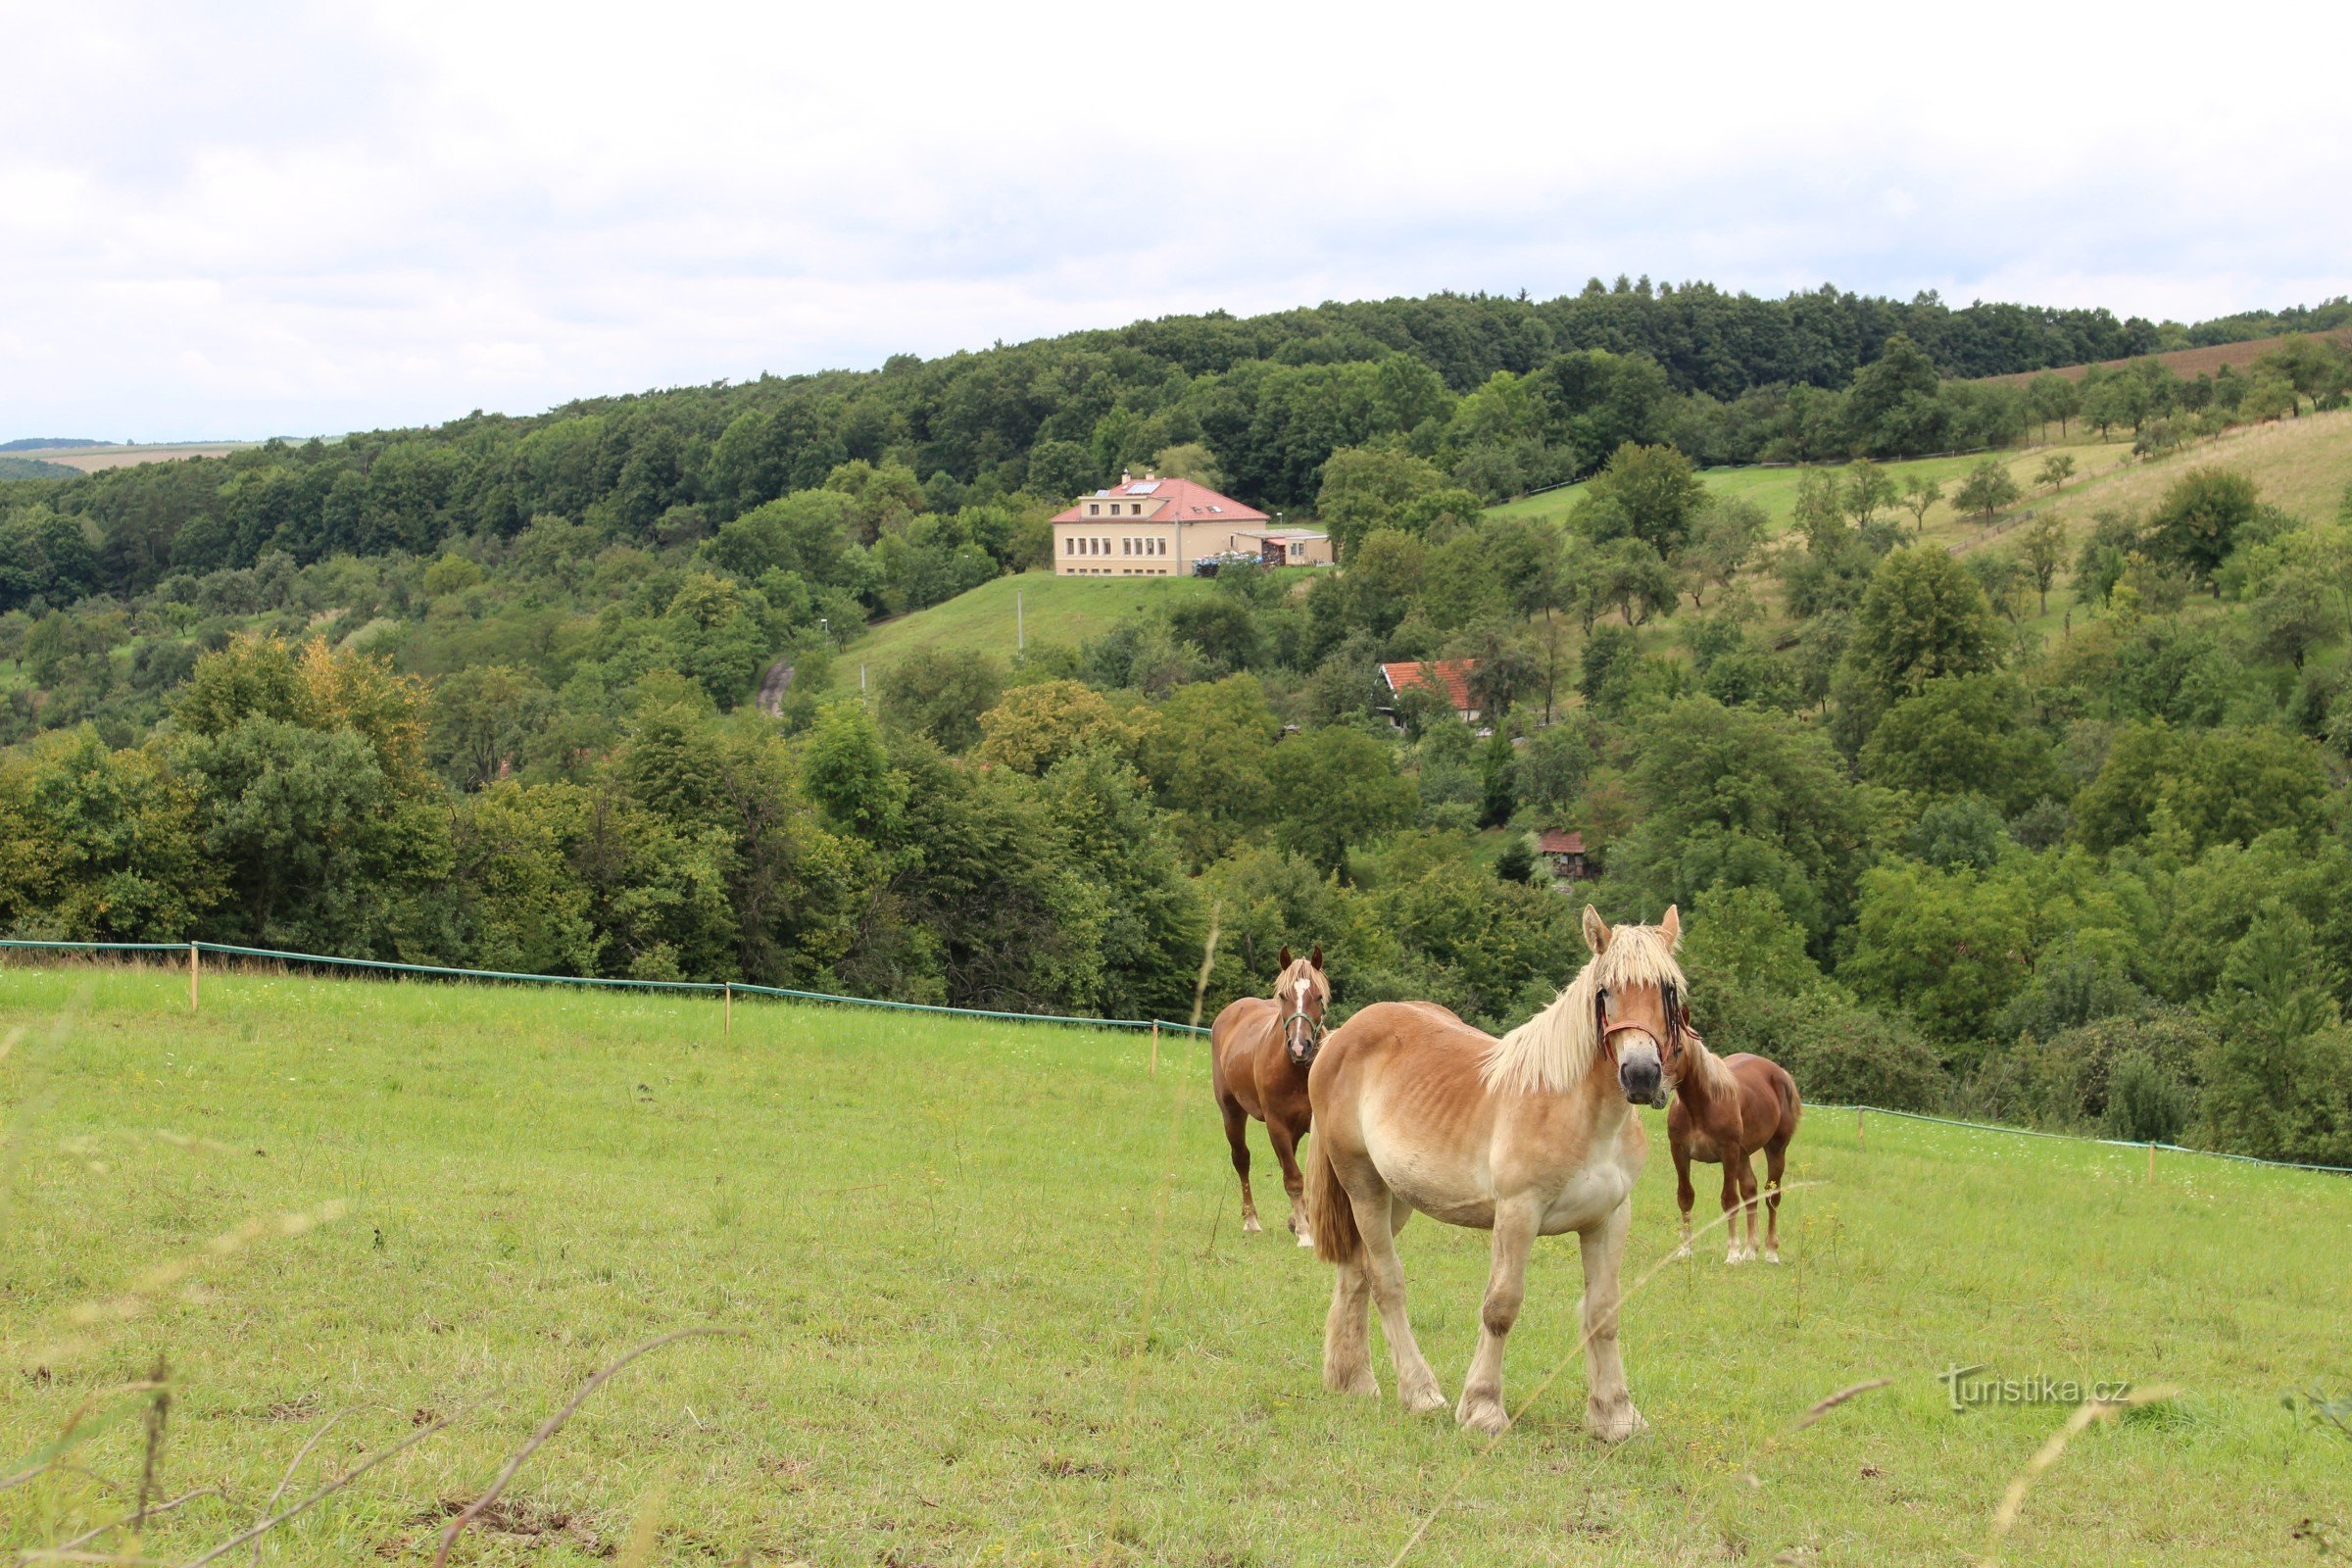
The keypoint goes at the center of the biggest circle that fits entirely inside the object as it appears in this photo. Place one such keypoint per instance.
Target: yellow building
(1153, 527)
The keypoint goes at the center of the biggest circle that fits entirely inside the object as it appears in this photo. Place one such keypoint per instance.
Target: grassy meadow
(2300, 465)
(1056, 609)
(994, 1306)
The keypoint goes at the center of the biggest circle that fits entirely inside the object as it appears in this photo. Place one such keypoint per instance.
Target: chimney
(1125, 477)
(1150, 476)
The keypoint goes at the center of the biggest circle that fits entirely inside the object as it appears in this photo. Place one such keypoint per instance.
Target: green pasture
(1775, 488)
(994, 1306)
(982, 621)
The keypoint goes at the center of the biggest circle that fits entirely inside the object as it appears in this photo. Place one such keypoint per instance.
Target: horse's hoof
(1773, 1256)
(1249, 1225)
(1730, 1258)
(1360, 1382)
(1682, 1251)
(1421, 1398)
(1614, 1425)
(1485, 1415)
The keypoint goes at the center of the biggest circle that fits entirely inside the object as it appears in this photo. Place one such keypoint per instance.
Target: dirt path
(773, 686)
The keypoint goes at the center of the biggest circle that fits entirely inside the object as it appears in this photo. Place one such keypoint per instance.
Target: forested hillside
(2014, 781)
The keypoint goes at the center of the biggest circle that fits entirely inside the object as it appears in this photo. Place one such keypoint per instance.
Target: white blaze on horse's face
(1298, 1029)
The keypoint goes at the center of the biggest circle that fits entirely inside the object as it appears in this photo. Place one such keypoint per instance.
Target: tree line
(1503, 394)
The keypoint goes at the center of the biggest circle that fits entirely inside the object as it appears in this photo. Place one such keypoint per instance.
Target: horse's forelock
(1557, 1046)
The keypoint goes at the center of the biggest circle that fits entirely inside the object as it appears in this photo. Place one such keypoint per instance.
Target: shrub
(2143, 1104)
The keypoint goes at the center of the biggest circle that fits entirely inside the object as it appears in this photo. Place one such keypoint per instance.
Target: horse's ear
(1596, 931)
(1672, 926)
(1284, 963)
(1316, 957)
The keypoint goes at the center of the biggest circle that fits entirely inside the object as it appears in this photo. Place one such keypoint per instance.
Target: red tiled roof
(1557, 841)
(1452, 673)
(1186, 502)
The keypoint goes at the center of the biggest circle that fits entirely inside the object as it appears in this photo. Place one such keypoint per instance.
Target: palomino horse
(1760, 1113)
(1530, 1135)
(1259, 1053)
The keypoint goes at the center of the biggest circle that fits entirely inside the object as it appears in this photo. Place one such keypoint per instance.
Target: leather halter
(1670, 1002)
(1314, 1037)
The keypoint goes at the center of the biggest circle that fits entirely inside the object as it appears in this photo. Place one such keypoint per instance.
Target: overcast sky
(248, 220)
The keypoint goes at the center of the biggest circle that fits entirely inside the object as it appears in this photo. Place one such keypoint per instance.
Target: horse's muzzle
(1641, 1074)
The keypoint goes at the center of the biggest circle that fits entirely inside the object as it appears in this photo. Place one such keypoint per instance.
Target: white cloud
(316, 218)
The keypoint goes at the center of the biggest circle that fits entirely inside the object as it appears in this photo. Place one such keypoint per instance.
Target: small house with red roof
(1448, 675)
(1155, 527)
(1564, 850)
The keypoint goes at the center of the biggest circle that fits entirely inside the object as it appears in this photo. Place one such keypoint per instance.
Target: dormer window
(1094, 510)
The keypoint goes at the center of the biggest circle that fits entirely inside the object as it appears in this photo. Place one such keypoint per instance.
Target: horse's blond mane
(1554, 1051)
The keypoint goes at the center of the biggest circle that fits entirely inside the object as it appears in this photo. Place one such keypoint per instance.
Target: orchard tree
(2196, 524)
(1644, 493)
(1920, 493)
(1722, 542)
(2043, 552)
(1866, 490)
(2056, 470)
(1986, 489)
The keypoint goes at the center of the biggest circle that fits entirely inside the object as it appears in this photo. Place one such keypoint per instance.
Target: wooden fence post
(728, 1027)
(1857, 1128)
(192, 967)
(2151, 1162)
(1155, 1051)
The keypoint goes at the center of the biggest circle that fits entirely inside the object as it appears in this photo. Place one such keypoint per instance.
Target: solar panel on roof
(1143, 489)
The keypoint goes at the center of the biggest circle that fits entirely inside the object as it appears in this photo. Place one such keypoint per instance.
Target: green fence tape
(704, 987)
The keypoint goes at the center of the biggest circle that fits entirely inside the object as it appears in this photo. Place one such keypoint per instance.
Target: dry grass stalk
(322, 1494)
(70, 1550)
(2013, 1502)
(549, 1428)
(1821, 1407)
(159, 1417)
(42, 1461)
(287, 1479)
(133, 1301)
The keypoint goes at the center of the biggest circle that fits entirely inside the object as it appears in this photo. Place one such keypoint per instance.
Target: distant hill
(2188, 363)
(33, 468)
(36, 443)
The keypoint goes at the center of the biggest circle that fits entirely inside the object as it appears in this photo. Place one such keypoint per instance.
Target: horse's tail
(1329, 1212)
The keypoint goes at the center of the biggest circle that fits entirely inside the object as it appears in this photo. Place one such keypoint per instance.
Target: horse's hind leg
(1236, 1133)
(1285, 1150)
(1347, 1333)
(1776, 1160)
(1749, 1204)
(1482, 1407)
(1416, 1384)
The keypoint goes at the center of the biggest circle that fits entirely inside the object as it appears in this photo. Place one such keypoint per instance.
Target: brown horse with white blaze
(1759, 1113)
(1260, 1051)
(1534, 1134)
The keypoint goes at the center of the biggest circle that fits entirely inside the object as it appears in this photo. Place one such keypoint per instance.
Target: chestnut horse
(1258, 1054)
(1531, 1135)
(1759, 1113)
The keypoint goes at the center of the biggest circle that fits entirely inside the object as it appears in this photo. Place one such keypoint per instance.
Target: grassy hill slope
(2300, 465)
(2188, 363)
(1056, 609)
(997, 1307)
